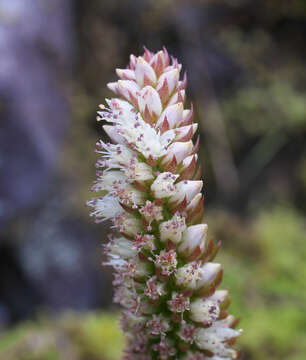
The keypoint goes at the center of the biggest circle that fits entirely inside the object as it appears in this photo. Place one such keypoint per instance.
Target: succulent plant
(165, 277)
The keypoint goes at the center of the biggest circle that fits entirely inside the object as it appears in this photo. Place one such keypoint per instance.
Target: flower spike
(165, 277)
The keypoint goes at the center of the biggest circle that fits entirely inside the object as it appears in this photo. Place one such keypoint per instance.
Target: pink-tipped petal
(171, 78)
(126, 74)
(144, 73)
(180, 149)
(186, 188)
(173, 114)
(149, 98)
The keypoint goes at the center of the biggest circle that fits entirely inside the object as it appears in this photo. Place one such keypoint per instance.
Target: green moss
(268, 290)
(91, 336)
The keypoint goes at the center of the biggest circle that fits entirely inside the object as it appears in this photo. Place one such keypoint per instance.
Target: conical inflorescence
(150, 188)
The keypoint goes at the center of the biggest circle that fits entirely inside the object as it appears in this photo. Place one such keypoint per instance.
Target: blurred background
(246, 63)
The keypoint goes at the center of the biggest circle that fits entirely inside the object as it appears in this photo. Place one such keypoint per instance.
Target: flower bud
(178, 97)
(178, 149)
(113, 86)
(204, 311)
(128, 89)
(188, 189)
(194, 242)
(159, 61)
(149, 99)
(187, 117)
(172, 114)
(188, 160)
(126, 74)
(213, 339)
(185, 133)
(144, 73)
(167, 82)
(207, 275)
(133, 61)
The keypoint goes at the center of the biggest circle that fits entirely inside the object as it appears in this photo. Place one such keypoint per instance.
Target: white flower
(188, 275)
(127, 224)
(115, 156)
(122, 247)
(112, 132)
(118, 184)
(163, 186)
(148, 177)
(151, 211)
(131, 126)
(213, 338)
(204, 311)
(106, 208)
(172, 229)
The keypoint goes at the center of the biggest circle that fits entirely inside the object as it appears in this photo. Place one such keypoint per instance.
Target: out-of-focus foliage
(93, 336)
(265, 270)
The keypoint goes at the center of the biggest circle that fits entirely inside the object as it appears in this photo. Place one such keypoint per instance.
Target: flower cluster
(165, 277)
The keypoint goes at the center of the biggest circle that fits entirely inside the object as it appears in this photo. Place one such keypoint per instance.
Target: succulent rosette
(149, 181)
